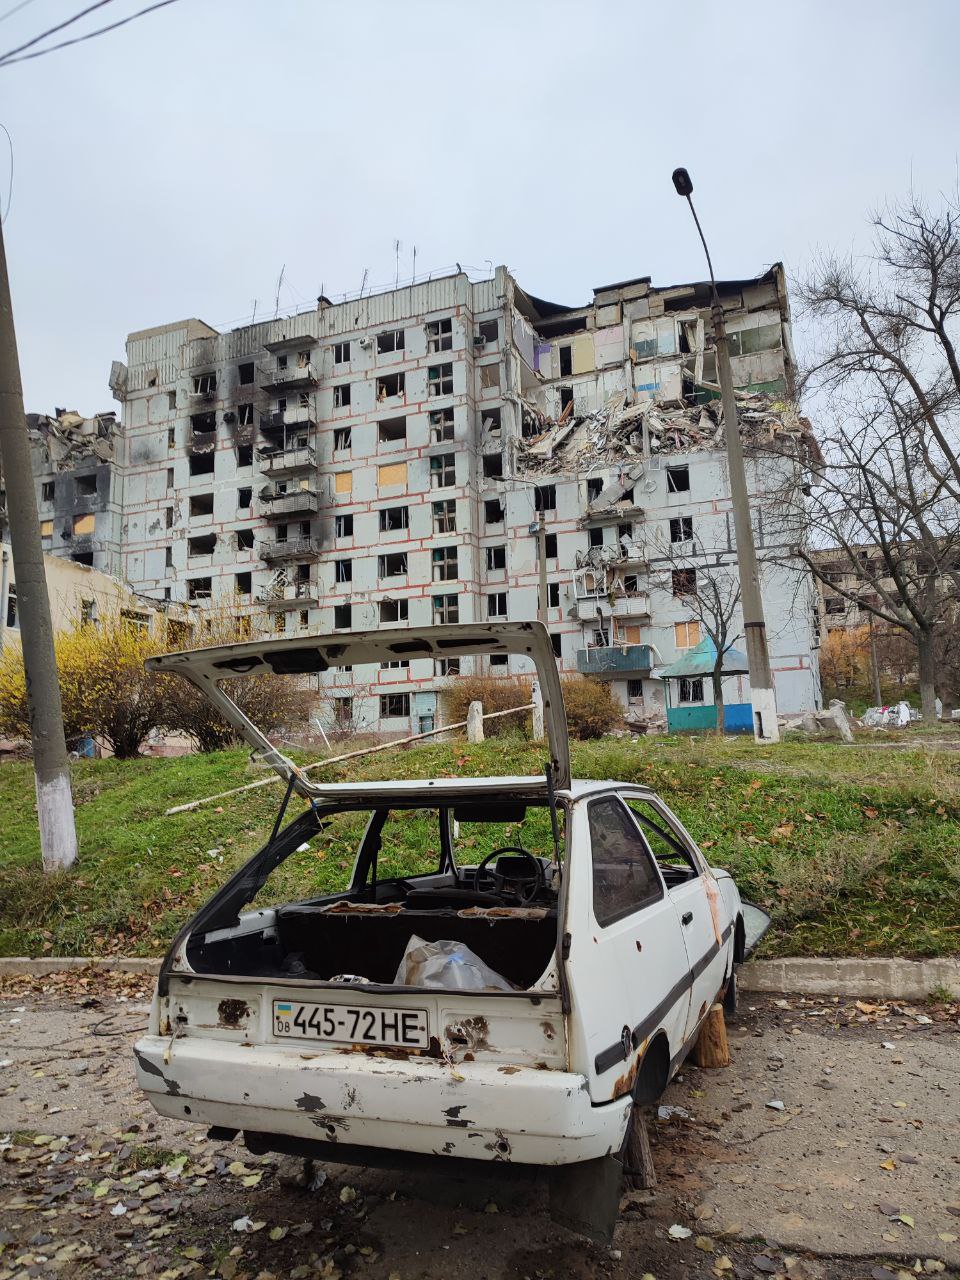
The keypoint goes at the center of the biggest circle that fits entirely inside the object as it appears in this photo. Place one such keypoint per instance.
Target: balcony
(201, 441)
(293, 377)
(300, 416)
(635, 605)
(613, 661)
(277, 550)
(203, 391)
(287, 462)
(294, 502)
(291, 595)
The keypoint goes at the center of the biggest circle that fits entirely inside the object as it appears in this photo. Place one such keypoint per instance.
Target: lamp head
(682, 182)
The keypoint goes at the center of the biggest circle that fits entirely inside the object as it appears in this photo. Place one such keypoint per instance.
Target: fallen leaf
(888, 1164)
(277, 1233)
(947, 1237)
(704, 1244)
(347, 1195)
(906, 1220)
(678, 1232)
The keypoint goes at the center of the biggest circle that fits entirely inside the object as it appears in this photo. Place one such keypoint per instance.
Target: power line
(53, 30)
(16, 9)
(39, 53)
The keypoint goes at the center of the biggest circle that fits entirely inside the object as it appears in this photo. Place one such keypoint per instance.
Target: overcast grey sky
(171, 168)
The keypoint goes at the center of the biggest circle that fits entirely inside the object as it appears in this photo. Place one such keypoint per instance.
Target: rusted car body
(515, 1007)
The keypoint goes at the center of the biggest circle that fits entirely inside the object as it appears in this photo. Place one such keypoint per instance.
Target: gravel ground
(858, 1175)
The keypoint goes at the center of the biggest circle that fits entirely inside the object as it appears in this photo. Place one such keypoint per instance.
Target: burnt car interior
(482, 873)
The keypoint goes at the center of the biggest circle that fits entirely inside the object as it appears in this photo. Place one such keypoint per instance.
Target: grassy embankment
(855, 850)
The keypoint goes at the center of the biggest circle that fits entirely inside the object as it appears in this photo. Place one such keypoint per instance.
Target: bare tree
(886, 494)
(709, 586)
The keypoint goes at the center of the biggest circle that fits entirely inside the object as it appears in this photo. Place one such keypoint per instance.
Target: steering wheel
(500, 879)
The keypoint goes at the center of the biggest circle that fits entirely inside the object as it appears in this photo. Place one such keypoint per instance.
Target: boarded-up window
(84, 524)
(343, 482)
(489, 375)
(686, 634)
(393, 473)
(46, 528)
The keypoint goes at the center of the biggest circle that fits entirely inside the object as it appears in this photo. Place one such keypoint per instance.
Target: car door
(630, 972)
(686, 876)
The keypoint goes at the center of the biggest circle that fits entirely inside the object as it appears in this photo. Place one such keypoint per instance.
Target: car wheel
(730, 995)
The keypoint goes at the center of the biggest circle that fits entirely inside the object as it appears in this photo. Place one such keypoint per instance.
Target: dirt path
(857, 1176)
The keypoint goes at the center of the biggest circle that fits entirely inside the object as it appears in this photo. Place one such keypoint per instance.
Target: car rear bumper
(478, 1111)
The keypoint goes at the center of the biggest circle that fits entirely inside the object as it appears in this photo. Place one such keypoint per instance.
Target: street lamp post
(763, 697)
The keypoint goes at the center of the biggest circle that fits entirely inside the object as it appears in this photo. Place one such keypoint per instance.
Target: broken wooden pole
(637, 1156)
(475, 722)
(711, 1049)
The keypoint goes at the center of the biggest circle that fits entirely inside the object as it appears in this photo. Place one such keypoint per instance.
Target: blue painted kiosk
(689, 711)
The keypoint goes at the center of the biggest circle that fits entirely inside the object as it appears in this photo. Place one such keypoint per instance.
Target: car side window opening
(625, 877)
(672, 856)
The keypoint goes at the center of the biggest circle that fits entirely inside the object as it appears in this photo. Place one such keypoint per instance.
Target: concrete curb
(891, 978)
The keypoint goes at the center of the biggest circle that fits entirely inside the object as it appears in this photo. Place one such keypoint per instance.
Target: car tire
(730, 995)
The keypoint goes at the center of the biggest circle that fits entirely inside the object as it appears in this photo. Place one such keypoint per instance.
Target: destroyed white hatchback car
(511, 967)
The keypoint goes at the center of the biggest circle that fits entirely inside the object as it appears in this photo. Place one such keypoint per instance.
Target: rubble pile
(68, 436)
(617, 433)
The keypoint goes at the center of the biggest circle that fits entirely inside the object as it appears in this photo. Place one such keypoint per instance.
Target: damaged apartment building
(384, 461)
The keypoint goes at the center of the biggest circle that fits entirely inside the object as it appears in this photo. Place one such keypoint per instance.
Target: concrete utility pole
(58, 835)
(765, 725)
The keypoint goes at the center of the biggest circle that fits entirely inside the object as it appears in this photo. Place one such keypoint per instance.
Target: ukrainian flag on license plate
(284, 1010)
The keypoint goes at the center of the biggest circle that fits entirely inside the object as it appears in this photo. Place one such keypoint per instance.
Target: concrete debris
(618, 434)
(832, 719)
(68, 436)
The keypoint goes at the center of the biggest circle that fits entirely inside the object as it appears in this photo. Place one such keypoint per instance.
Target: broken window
(443, 471)
(391, 384)
(594, 488)
(624, 531)
(202, 464)
(684, 582)
(446, 666)
(595, 538)
(172, 400)
(499, 659)
(392, 473)
(394, 518)
(439, 335)
(490, 421)
(493, 466)
(341, 395)
(46, 491)
(625, 878)
(681, 528)
(566, 361)
(83, 525)
(342, 712)
(394, 611)
(244, 498)
(440, 380)
(691, 690)
(566, 399)
(392, 430)
(550, 546)
(343, 526)
(678, 479)
(279, 623)
(342, 438)
(343, 482)
(202, 545)
(445, 516)
(686, 634)
(493, 511)
(489, 377)
(304, 617)
(171, 437)
(86, 486)
(557, 644)
(341, 353)
(243, 583)
(487, 331)
(446, 609)
(631, 584)
(553, 595)
(343, 616)
(169, 477)
(765, 337)
(444, 561)
(545, 497)
(303, 359)
(245, 455)
(497, 604)
(441, 425)
(281, 363)
(245, 415)
(394, 705)
(396, 664)
(392, 340)
(496, 558)
(245, 539)
(392, 565)
(247, 373)
(205, 384)
(83, 557)
(199, 588)
(634, 689)
(168, 557)
(343, 570)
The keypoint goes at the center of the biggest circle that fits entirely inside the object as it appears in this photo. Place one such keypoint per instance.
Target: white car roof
(435, 790)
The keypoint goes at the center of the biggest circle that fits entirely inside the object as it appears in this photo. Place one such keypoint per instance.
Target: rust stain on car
(395, 1053)
(624, 1084)
(230, 1013)
(548, 1029)
(470, 1032)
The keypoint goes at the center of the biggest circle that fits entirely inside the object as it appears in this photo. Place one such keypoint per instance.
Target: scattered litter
(775, 1105)
(448, 965)
(667, 1113)
(677, 1232)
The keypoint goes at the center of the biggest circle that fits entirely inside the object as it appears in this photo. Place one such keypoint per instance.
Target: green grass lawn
(855, 850)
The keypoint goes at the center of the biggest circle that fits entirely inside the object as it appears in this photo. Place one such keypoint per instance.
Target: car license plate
(350, 1024)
